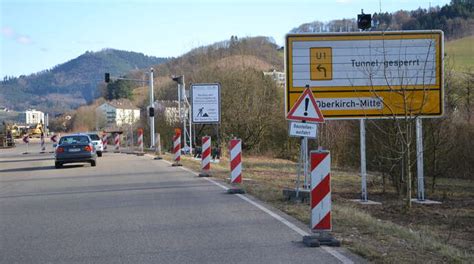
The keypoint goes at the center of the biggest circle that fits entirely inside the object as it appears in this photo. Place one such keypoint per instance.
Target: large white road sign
(367, 74)
(206, 103)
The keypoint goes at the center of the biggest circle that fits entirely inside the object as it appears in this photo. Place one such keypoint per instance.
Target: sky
(36, 35)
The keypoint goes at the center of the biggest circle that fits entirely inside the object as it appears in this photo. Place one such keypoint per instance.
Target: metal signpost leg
(363, 169)
(419, 160)
(305, 162)
(298, 175)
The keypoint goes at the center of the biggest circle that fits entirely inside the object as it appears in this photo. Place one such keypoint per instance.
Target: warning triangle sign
(306, 109)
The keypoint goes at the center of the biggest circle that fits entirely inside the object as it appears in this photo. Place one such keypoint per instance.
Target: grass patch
(460, 53)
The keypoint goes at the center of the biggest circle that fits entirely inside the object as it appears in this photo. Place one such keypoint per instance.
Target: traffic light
(364, 21)
(107, 77)
(151, 112)
(178, 79)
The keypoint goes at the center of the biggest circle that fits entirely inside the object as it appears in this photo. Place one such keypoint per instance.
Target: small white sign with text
(308, 130)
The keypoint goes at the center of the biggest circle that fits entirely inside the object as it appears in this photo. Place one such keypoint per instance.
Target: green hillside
(71, 84)
(460, 53)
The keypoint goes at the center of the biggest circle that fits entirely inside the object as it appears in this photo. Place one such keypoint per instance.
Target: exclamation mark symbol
(306, 103)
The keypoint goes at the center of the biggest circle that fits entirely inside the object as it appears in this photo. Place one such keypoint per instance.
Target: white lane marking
(338, 255)
(298, 230)
(274, 215)
(216, 183)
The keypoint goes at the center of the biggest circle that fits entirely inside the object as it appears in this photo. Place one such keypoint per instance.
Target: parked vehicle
(76, 148)
(99, 146)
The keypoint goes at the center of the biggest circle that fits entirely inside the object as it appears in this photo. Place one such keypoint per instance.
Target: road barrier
(235, 149)
(43, 146)
(177, 149)
(205, 156)
(54, 140)
(320, 191)
(320, 201)
(26, 139)
(104, 142)
(117, 142)
(140, 142)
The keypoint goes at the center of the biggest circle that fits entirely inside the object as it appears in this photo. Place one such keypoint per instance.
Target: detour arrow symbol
(320, 68)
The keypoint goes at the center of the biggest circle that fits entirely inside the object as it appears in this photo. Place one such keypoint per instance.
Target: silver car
(97, 141)
(73, 149)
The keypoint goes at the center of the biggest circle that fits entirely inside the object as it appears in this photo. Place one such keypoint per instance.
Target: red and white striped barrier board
(235, 149)
(104, 141)
(177, 147)
(320, 191)
(206, 154)
(43, 147)
(140, 140)
(117, 142)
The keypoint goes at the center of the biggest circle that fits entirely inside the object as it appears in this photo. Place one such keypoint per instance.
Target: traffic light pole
(150, 111)
(152, 118)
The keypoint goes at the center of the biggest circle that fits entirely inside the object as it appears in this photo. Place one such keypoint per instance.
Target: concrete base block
(158, 158)
(321, 239)
(24, 153)
(235, 190)
(303, 194)
(204, 174)
(368, 202)
(140, 153)
(176, 165)
(426, 201)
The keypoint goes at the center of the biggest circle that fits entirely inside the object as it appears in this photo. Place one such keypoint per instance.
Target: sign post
(26, 139)
(206, 108)
(54, 140)
(369, 75)
(304, 110)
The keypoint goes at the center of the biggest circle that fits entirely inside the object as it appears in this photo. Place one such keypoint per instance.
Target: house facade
(32, 117)
(118, 113)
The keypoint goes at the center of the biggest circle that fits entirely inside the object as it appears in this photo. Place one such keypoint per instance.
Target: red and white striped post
(43, 146)
(117, 142)
(205, 156)
(177, 147)
(140, 142)
(320, 191)
(104, 142)
(320, 200)
(235, 149)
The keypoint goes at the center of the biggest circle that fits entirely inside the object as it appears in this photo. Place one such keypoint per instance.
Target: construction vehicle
(6, 136)
(35, 130)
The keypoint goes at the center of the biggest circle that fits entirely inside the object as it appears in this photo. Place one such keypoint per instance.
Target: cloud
(7, 32)
(24, 40)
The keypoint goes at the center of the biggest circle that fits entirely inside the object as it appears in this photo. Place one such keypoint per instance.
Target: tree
(119, 89)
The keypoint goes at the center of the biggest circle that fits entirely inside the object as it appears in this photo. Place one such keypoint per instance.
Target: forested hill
(455, 19)
(71, 84)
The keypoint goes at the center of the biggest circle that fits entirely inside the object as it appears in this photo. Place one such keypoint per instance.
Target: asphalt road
(132, 209)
